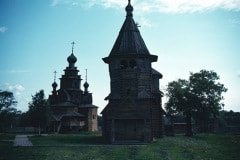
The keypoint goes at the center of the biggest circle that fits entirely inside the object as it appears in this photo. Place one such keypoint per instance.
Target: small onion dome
(54, 85)
(86, 85)
(129, 9)
(71, 60)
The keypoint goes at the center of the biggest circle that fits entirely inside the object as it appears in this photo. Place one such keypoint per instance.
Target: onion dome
(54, 85)
(71, 60)
(86, 85)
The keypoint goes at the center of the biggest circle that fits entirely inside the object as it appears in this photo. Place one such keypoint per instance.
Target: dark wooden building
(134, 113)
(72, 108)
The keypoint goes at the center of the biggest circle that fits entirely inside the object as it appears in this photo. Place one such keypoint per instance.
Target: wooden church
(71, 107)
(134, 111)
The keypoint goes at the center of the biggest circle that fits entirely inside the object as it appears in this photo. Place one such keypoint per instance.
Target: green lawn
(55, 147)
(92, 138)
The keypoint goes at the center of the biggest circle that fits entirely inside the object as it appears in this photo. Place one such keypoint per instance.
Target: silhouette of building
(72, 108)
(133, 113)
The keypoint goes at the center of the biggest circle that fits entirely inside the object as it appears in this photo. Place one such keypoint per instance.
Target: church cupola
(71, 79)
(86, 85)
(129, 9)
(54, 84)
(72, 59)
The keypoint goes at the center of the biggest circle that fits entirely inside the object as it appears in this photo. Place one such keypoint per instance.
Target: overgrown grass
(225, 146)
(200, 147)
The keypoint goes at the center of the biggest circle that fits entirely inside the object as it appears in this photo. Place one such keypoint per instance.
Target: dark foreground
(90, 146)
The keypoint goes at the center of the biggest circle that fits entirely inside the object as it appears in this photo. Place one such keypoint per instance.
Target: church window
(123, 64)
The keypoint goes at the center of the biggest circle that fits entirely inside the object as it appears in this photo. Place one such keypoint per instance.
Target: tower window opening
(123, 64)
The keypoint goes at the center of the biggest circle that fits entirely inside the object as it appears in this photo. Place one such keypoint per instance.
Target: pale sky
(186, 35)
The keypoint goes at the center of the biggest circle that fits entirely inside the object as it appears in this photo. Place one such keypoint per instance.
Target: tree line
(38, 114)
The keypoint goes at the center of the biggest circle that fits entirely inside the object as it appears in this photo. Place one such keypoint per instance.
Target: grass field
(87, 146)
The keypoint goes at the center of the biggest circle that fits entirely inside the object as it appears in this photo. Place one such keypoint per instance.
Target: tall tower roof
(129, 40)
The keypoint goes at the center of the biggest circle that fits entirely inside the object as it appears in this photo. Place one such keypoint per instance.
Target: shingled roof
(129, 40)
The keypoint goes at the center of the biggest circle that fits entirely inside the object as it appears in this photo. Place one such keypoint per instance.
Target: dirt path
(22, 140)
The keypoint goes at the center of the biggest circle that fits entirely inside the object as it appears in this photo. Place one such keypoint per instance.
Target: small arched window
(123, 64)
(132, 63)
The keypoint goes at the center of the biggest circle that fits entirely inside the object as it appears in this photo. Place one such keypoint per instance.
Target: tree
(180, 101)
(208, 95)
(24, 120)
(6, 99)
(199, 97)
(9, 117)
(8, 114)
(39, 110)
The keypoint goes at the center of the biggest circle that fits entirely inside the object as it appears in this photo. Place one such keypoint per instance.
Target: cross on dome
(72, 45)
(86, 75)
(86, 85)
(54, 84)
(55, 72)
